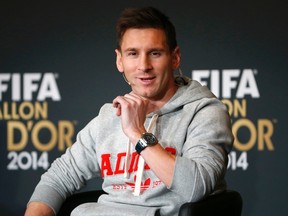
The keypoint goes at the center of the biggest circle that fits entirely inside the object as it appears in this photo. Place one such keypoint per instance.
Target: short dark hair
(145, 17)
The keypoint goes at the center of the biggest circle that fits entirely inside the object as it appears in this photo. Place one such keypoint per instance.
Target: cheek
(129, 67)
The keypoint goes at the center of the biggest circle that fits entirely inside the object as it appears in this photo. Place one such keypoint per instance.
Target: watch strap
(140, 146)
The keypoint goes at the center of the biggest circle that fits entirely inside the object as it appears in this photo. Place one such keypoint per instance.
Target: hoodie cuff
(47, 195)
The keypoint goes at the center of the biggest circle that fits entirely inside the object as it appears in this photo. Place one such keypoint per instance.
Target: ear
(119, 61)
(176, 58)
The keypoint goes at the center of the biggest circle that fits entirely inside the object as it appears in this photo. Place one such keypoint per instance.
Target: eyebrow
(129, 49)
(149, 50)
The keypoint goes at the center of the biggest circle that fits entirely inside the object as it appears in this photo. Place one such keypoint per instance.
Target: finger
(118, 100)
(117, 104)
(118, 110)
(133, 98)
(136, 95)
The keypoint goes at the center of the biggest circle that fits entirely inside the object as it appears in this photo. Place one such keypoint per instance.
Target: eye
(155, 54)
(131, 53)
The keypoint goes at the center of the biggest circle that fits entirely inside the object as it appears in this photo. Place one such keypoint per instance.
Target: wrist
(146, 140)
(136, 136)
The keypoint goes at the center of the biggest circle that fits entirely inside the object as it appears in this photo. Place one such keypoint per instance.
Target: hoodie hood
(188, 92)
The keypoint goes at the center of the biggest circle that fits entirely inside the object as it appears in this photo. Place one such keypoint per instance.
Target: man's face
(147, 63)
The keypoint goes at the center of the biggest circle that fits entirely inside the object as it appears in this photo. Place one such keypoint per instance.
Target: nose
(144, 64)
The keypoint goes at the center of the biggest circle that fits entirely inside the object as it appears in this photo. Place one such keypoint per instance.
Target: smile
(148, 78)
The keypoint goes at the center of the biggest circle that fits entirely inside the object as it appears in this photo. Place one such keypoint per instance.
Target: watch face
(150, 139)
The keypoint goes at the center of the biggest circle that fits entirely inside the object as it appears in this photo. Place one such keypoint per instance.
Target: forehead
(134, 38)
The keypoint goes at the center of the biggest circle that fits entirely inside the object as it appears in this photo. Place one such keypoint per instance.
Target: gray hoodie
(193, 125)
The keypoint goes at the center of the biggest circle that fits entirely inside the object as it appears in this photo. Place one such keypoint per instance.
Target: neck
(158, 103)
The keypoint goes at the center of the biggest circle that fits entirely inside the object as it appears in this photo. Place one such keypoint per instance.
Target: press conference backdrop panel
(57, 68)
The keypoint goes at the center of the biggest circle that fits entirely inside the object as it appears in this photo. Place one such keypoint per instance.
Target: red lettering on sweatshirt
(171, 150)
(119, 170)
(106, 167)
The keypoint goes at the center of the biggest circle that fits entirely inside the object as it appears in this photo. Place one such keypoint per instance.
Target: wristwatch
(147, 139)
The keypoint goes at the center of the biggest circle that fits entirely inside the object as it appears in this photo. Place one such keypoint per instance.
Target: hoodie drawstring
(141, 161)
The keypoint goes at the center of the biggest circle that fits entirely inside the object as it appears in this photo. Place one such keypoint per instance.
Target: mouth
(147, 80)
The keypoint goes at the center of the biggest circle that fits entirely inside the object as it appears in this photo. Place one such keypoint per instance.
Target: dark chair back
(226, 203)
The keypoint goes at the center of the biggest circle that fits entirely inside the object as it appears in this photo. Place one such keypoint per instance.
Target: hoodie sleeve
(69, 172)
(201, 166)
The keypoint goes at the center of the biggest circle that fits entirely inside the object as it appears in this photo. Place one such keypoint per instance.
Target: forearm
(39, 209)
(161, 162)
(67, 173)
(198, 177)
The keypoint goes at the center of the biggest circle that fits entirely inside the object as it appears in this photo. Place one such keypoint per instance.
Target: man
(161, 145)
